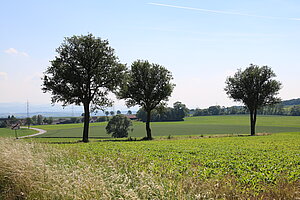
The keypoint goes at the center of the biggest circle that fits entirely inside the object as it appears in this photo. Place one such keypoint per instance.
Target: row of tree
(38, 120)
(277, 109)
(161, 114)
(112, 113)
(7, 122)
(86, 70)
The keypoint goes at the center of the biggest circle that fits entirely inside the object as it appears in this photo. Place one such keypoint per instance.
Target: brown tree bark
(148, 129)
(253, 114)
(85, 135)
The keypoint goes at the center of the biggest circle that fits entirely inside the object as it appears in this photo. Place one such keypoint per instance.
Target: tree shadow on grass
(120, 140)
(67, 142)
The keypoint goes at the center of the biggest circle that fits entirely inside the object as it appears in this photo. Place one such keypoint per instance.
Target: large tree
(84, 72)
(148, 85)
(255, 88)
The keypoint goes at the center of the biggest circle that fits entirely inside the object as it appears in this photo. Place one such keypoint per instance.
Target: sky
(201, 42)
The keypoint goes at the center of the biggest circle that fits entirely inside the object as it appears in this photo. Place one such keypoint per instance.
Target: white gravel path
(40, 132)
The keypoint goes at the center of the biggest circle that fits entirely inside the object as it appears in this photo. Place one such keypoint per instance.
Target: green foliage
(73, 119)
(50, 120)
(39, 120)
(277, 109)
(34, 119)
(4, 124)
(13, 120)
(102, 119)
(295, 111)
(28, 121)
(291, 102)
(84, 71)
(255, 88)
(118, 126)
(180, 110)
(147, 85)
(177, 113)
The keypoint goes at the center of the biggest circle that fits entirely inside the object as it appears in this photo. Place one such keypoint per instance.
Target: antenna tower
(27, 108)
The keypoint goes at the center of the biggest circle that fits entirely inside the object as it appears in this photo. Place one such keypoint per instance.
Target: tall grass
(41, 171)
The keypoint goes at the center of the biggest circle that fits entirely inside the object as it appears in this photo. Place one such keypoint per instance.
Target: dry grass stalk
(41, 171)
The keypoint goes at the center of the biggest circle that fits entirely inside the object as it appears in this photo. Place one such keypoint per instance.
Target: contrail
(223, 12)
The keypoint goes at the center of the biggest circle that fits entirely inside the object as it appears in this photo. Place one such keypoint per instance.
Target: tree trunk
(253, 121)
(148, 129)
(85, 136)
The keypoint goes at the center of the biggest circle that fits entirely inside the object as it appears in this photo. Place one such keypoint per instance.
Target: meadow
(235, 167)
(7, 132)
(206, 125)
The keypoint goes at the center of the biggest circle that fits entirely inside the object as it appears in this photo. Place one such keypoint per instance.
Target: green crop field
(7, 132)
(205, 125)
(253, 167)
(247, 167)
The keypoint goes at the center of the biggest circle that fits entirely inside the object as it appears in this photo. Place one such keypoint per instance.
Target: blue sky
(201, 42)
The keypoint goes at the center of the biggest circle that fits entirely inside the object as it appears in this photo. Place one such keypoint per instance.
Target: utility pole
(28, 121)
(72, 111)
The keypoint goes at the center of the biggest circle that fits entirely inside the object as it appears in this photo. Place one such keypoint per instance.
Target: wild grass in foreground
(39, 171)
(262, 167)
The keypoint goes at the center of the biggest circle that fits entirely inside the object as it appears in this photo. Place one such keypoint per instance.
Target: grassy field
(248, 167)
(257, 167)
(7, 132)
(206, 125)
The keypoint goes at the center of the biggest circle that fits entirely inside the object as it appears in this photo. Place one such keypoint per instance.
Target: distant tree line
(161, 114)
(291, 102)
(38, 120)
(6, 122)
(278, 109)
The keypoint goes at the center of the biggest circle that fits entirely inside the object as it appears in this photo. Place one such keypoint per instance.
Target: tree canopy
(177, 113)
(118, 126)
(255, 88)
(84, 72)
(147, 85)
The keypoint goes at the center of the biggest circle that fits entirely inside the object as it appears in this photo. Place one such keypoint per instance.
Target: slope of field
(7, 132)
(205, 125)
(257, 167)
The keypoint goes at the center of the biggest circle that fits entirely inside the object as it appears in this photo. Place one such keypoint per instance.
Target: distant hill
(19, 110)
(291, 102)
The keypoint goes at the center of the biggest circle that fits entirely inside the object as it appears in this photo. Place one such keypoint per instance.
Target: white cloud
(11, 51)
(3, 76)
(15, 52)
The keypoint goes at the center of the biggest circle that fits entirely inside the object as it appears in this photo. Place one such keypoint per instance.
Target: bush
(3, 124)
(102, 119)
(118, 126)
